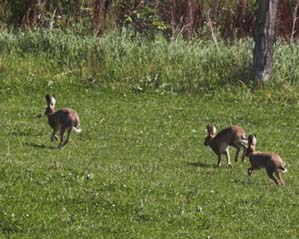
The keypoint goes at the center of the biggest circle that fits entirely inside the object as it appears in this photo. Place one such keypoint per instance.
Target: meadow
(139, 169)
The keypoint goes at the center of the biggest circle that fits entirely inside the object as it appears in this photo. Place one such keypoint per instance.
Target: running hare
(270, 161)
(61, 120)
(233, 135)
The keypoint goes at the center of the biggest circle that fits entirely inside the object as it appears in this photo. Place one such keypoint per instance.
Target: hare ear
(48, 99)
(213, 130)
(253, 140)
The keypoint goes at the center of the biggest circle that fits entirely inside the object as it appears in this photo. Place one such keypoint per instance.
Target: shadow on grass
(201, 165)
(41, 146)
(249, 181)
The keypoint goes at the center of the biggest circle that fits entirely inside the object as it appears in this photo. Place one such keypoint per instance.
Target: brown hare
(233, 135)
(270, 161)
(61, 120)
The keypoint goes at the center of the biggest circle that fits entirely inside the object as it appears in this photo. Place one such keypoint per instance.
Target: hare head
(211, 129)
(251, 144)
(51, 101)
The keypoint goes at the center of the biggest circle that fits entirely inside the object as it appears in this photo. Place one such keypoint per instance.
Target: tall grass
(193, 66)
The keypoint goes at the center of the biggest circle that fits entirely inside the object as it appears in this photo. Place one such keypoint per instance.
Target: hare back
(232, 135)
(64, 118)
(266, 159)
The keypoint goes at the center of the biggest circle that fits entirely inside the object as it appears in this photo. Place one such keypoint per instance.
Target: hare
(61, 120)
(233, 135)
(270, 161)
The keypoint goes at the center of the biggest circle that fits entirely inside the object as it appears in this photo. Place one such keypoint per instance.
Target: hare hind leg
(244, 153)
(61, 137)
(67, 136)
(270, 174)
(277, 174)
(237, 154)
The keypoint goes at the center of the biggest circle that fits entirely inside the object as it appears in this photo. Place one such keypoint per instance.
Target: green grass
(139, 168)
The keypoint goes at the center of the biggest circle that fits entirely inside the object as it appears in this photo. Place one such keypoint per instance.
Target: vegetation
(118, 60)
(172, 18)
(139, 168)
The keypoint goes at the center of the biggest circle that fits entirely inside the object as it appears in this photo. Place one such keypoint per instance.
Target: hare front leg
(228, 158)
(53, 135)
(249, 172)
(219, 160)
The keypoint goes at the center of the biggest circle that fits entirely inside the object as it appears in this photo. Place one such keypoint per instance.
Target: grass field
(139, 168)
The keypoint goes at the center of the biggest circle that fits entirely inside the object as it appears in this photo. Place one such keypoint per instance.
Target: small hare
(62, 120)
(270, 161)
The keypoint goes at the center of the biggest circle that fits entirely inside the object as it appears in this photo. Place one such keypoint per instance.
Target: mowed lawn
(139, 169)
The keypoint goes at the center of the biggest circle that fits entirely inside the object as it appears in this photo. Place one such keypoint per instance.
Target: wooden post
(78, 10)
(190, 18)
(173, 20)
(97, 17)
(264, 40)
